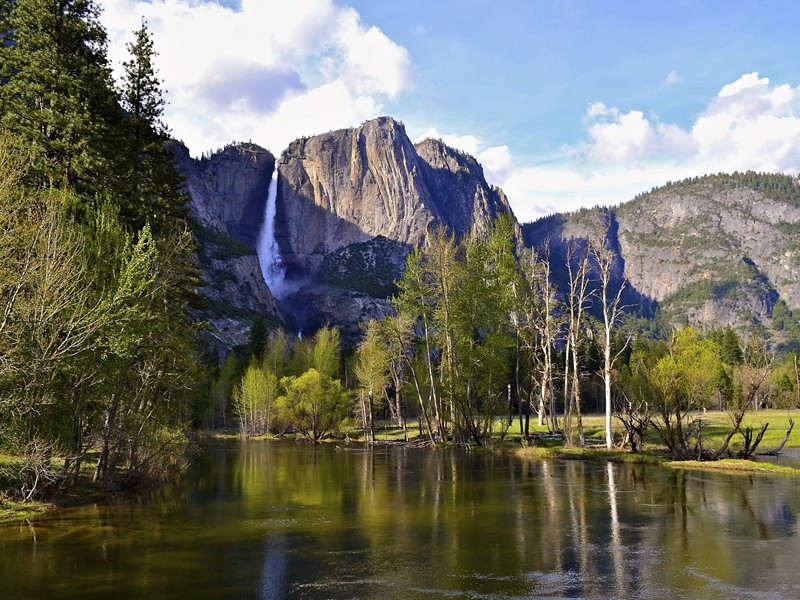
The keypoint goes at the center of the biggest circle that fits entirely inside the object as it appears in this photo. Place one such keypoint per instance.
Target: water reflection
(270, 520)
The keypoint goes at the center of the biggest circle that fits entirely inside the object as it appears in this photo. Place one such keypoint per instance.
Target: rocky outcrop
(352, 203)
(710, 251)
(352, 185)
(228, 191)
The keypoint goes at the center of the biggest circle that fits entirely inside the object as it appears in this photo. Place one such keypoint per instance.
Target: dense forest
(480, 343)
(98, 354)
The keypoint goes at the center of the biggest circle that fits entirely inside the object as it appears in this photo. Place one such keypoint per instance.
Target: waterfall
(269, 255)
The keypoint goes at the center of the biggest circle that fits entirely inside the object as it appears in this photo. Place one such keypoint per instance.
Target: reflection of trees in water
(273, 516)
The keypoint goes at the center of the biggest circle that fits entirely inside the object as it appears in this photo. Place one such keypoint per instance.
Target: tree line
(98, 354)
(480, 337)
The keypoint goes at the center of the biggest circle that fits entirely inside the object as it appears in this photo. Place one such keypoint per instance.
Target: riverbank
(82, 491)
(507, 440)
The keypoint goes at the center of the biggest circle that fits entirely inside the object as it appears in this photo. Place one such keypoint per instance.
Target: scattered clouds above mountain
(750, 124)
(269, 71)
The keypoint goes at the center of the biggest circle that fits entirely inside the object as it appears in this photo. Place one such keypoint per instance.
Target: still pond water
(274, 520)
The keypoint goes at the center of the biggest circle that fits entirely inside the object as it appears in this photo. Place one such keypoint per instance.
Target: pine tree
(57, 94)
(258, 338)
(154, 188)
(731, 349)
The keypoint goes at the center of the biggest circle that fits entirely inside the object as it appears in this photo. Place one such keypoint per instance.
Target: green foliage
(98, 351)
(779, 187)
(153, 187)
(258, 338)
(326, 356)
(786, 321)
(686, 377)
(463, 295)
(221, 245)
(57, 95)
(253, 399)
(314, 404)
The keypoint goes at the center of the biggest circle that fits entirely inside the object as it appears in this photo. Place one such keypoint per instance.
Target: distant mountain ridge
(709, 251)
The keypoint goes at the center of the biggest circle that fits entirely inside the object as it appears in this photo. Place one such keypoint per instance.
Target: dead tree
(612, 310)
(578, 299)
(753, 373)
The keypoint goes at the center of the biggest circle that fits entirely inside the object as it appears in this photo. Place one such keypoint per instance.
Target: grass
(12, 511)
(84, 491)
(717, 427)
(730, 464)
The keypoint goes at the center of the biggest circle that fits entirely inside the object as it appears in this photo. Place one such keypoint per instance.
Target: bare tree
(612, 310)
(752, 376)
(578, 298)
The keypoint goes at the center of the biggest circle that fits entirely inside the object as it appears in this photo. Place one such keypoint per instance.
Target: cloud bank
(271, 71)
(750, 124)
(268, 71)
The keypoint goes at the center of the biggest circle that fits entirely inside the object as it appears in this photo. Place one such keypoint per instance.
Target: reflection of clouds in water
(273, 572)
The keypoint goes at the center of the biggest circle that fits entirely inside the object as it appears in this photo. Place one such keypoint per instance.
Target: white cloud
(497, 162)
(270, 71)
(750, 124)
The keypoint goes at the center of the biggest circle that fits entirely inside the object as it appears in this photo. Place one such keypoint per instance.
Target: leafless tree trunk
(612, 309)
(579, 295)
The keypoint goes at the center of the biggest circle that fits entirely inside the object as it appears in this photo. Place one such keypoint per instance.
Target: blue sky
(566, 103)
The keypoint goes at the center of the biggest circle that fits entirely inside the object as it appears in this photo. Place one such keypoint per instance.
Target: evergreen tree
(731, 350)
(258, 338)
(57, 95)
(154, 191)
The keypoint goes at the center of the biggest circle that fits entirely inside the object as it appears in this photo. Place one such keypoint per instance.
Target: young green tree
(326, 356)
(313, 403)
(253, 399)
(277, 352)
(416, 303)
(372, 373)
(683, 380)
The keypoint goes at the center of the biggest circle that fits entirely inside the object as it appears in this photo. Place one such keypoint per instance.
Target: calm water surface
(274, 520)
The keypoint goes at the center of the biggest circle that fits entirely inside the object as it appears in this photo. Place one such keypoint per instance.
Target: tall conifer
(56, 92)
(154, 190)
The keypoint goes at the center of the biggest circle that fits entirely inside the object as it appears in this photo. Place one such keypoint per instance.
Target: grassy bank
(82, 491)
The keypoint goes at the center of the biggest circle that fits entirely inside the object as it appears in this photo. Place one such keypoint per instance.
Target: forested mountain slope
(710, 251)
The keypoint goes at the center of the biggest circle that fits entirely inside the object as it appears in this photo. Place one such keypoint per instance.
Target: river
(281, 519)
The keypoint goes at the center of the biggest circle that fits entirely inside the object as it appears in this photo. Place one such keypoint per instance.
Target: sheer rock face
(355, 201)
(709, 252)
(228, 192)
(229, 189)
(352, 185)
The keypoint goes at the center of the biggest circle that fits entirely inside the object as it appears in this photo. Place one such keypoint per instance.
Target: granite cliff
(352, 185)
(710, 251)
(350, 206)
(228, 190)
(352, 203)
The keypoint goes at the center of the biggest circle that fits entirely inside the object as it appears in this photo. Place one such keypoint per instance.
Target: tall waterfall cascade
(269, 254)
